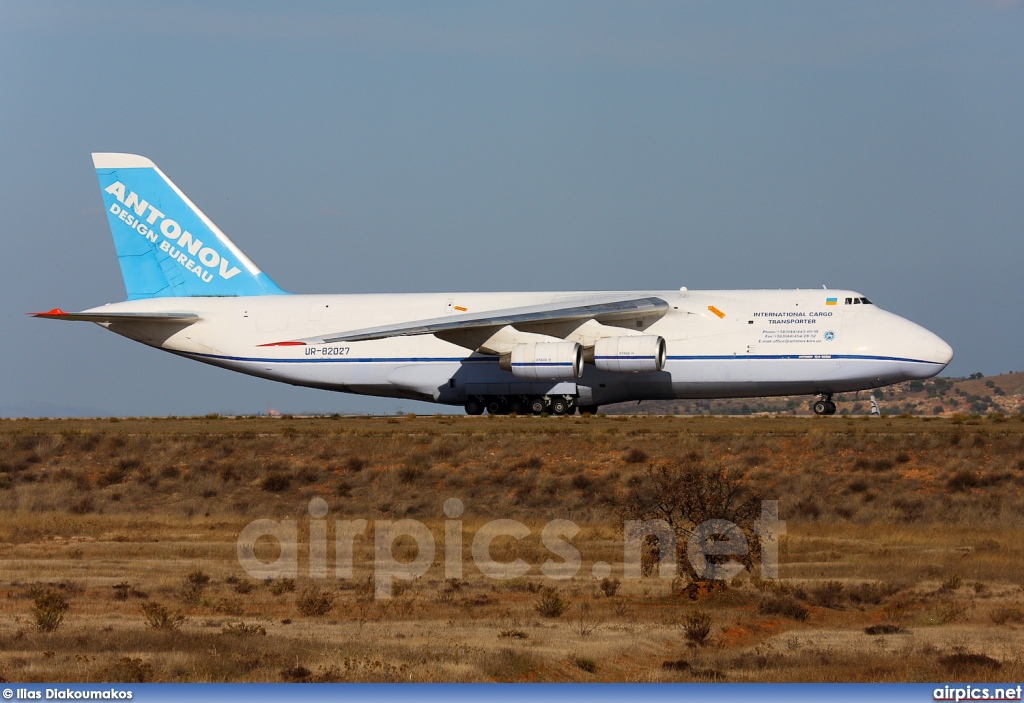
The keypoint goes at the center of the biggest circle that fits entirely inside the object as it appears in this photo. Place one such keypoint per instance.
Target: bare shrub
(634, 455)
(686, 494)
(829, 595)
(676, 665)
(586, 664)
(83, 506)
(124, 590)
(962, 663)
(315, 601)
(128, 670)
(585, 621)
(884, 628)
(160, 617)
(48, 608)
(871, 593)
(697, 627)
(193, 587)
(1011, 614)
(282, 586)
(784, 605)
(276, 482)
(610, 586)
(241, 629)
(296, 674)
(963, 480)
(550, 604)
(355, 464)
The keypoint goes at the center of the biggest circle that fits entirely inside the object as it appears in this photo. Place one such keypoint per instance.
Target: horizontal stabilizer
(118, 317)
(603, 308)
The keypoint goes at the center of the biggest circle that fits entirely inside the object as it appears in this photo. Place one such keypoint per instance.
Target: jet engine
(544, 361)
(639, 354)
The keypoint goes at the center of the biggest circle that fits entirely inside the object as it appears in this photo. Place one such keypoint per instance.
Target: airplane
(192, 292)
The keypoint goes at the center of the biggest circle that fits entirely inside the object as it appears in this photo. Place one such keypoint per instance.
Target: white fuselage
(719, 344)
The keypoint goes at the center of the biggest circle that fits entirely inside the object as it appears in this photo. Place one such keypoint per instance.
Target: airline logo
(179, 244)
(831, 301)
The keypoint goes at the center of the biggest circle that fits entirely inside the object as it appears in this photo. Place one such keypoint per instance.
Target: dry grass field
(903, 558)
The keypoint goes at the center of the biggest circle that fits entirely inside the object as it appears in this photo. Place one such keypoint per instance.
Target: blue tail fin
(166, 246)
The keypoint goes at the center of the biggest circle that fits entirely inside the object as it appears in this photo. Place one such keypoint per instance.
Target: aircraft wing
(116, 317)
(605, 309)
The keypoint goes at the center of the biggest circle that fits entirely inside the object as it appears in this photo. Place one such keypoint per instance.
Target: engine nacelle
(640, 354)
(545, 361)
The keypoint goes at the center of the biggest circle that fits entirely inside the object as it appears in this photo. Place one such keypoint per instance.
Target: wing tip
(56, 312)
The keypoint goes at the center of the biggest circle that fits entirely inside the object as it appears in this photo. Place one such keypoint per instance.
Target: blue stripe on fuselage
(493, 359)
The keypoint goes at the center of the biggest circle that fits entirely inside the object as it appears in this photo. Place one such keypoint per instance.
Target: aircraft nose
(942, 353)
(931, 354)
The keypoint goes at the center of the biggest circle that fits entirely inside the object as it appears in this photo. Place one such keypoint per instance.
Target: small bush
(586, 664)
(784, 605)
(550, 604)
(241, 629)
(885, 628)
(512, 633)
(48, 608)
(282, 586)
(634, 456)
(1010, 614)
(676, 665)
(610, 586)
(355, 464)
(83, 506)
(697, 626)
(129, 670)
(315, 602)
(276, 482)
(964, 662)
(828, 595)
(585, 622)
(160, 617)
(963, 480)
(871, 593)
(296, 674)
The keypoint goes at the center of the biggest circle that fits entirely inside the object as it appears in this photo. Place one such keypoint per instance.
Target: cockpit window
(849, 301)
(858, 301)
(866, 301)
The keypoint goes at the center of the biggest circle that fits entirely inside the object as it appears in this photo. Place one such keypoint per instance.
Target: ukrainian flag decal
(831, 301)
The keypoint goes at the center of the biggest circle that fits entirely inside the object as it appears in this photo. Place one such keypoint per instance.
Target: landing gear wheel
(537, 406)
(497, 407)
(559, 406)
(825, 406)
(474, 407)
(517, 406)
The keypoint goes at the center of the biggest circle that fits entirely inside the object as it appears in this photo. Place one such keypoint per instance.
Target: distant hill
(977, 395)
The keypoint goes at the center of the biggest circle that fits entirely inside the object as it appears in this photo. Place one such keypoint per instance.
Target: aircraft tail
(165, 244)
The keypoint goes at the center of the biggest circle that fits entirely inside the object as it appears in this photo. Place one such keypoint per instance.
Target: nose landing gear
(824, 406)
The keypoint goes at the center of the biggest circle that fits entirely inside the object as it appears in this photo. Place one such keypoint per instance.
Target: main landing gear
(824, 406)
(521, 405)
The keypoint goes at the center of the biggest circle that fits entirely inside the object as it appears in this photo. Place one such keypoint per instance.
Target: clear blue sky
(371, 147)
